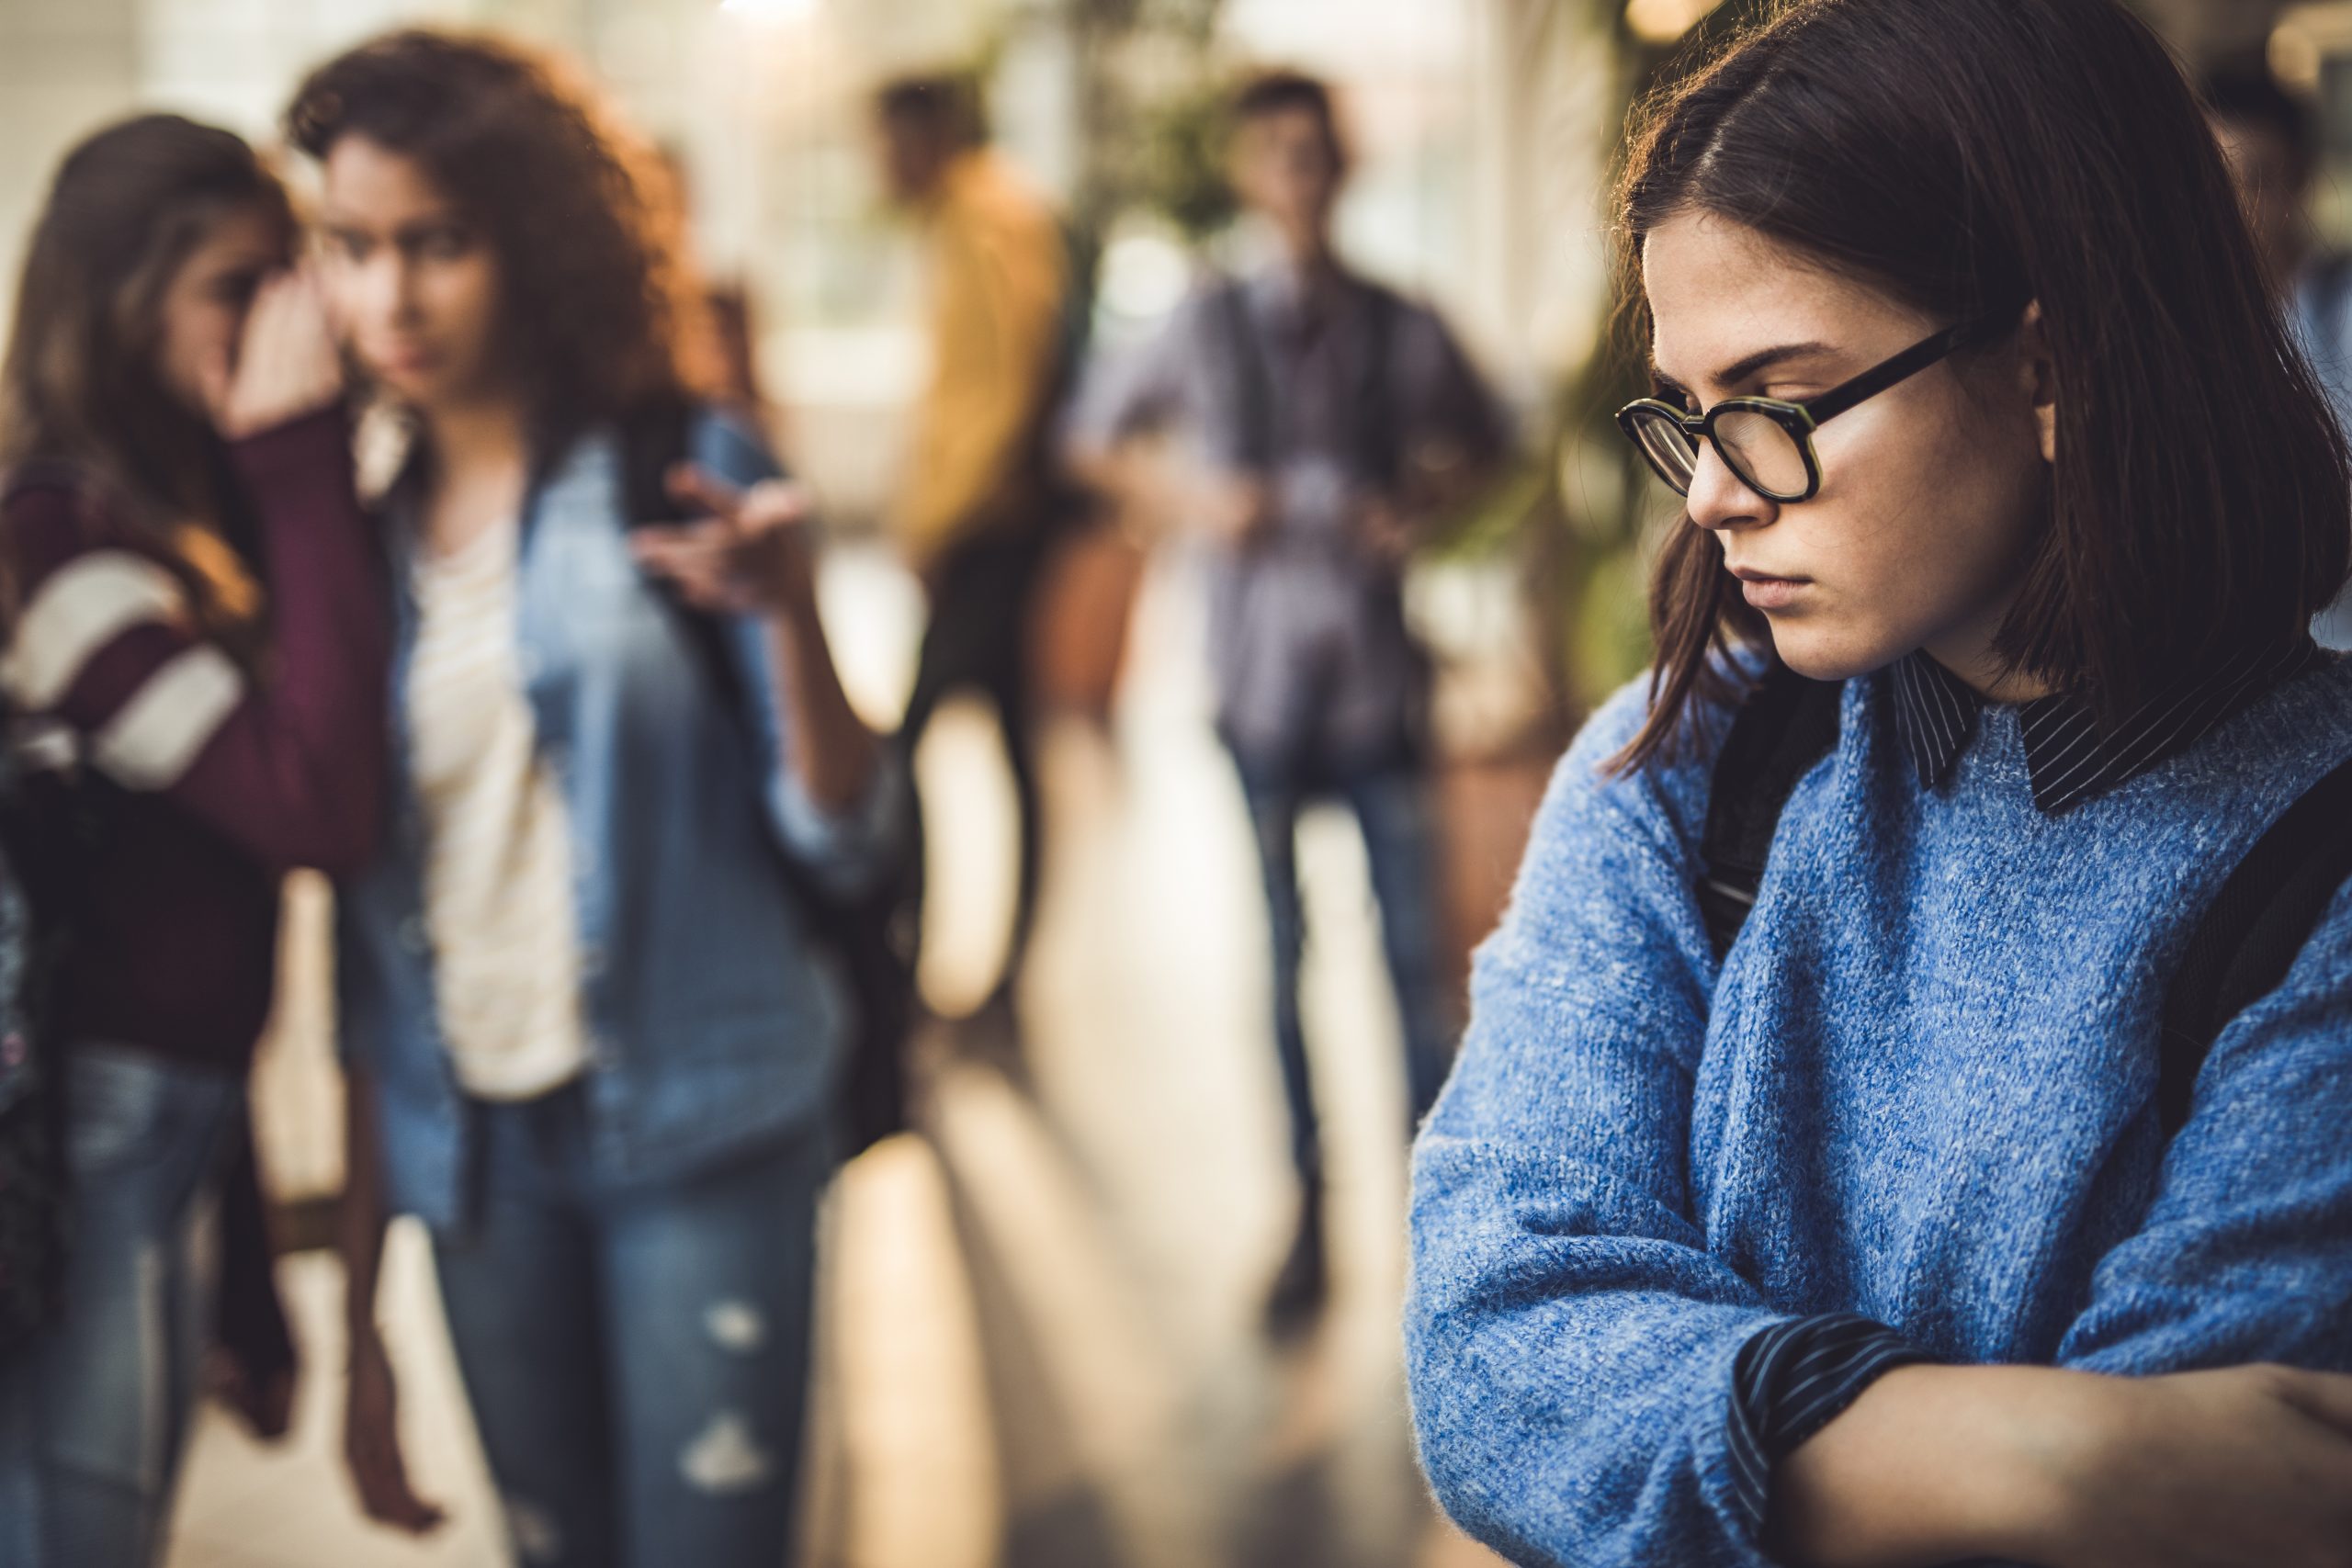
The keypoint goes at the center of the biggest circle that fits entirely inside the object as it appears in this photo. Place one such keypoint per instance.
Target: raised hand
(750, 554)
(285, 364)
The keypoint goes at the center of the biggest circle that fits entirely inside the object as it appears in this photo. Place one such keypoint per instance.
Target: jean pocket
(117, 1108)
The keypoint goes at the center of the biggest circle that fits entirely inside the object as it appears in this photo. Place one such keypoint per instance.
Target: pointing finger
(691, 482)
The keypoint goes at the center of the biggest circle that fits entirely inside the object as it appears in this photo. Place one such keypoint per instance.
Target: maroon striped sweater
(214, 785)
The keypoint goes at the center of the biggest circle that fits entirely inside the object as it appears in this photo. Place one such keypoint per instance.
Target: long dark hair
(586, 225)
(1969, 155)
(80, 387)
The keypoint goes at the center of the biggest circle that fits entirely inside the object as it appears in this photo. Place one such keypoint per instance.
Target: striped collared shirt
(2066, 755)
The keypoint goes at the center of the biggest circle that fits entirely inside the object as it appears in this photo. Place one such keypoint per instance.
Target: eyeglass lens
(1670, 452)
(1761, 452)
(1758, 449)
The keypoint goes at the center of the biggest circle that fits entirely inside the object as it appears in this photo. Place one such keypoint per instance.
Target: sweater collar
(2067, 756)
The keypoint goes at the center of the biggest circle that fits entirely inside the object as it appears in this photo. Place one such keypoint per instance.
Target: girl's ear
(2038, 377)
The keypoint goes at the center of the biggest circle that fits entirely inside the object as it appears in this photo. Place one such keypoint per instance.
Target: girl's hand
(371, 1443)
(2244, 1467)
(1238, 511)
(2247, 1467)
(1388, 534)
(262, 1400)
(750, 555)
(286, 365)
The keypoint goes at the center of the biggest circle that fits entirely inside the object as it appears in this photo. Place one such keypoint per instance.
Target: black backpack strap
(1380, 433)
(2252, 933)
(1253, 386)
(656, 438)
(1787, 724)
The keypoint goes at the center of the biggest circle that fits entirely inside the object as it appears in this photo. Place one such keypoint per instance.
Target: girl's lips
(1773, 593)
(404, 359)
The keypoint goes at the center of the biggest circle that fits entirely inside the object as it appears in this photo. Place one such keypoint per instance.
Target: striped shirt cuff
(1793, 1379)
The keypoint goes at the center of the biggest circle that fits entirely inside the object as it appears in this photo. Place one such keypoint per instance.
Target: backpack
(2245, 943)
(874, 936)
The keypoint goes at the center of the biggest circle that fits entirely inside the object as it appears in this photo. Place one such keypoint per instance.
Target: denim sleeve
(2245, 1254)
(1569, 1338)
(843, 849)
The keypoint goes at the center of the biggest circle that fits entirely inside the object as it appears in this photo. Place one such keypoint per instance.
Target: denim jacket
(713, 1021)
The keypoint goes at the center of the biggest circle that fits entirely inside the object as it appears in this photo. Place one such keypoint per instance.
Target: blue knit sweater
(1921, 1088)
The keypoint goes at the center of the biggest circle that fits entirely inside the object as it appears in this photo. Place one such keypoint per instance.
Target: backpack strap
(2251, 933)
(1786, 725)
(656, 438)
(1253, 385)
(1380, 436)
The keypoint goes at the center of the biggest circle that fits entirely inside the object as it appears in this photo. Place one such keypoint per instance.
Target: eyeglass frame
(1800, 420)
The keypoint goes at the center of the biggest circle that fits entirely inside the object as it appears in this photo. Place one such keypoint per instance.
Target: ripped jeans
(636, 1360)
(94, 1409)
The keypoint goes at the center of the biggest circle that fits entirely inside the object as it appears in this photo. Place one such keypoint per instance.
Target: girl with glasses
(1858, 1224)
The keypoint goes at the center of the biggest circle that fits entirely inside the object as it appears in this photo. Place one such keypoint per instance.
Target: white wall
(64, 65)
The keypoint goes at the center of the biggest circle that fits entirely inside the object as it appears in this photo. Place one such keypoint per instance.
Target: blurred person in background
(1333, 422)
(977, 516)
(194, 673)
(593, 1034)
(2272, 147)
(1856, 1157)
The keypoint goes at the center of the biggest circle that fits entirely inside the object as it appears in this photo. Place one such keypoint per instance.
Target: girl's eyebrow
(1742, 370)
(1764, 359)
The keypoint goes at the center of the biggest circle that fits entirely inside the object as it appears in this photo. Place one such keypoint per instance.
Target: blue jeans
(94, 1409)
(636, 1359)
(1391, 806)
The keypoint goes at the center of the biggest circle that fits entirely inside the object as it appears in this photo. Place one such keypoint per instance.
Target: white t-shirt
(498, 895)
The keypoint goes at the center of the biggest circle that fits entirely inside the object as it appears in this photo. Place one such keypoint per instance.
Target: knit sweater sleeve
(104, 650)
(2246, 1253)
(1570, 1339)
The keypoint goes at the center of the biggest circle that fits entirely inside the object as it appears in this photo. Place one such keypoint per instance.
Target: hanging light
(770, 10)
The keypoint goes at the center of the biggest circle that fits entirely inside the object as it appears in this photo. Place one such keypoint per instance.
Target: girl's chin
(1803, 648)
(407, 388)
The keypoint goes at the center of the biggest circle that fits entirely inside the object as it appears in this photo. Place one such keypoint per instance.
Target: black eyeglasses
(1765, 442)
